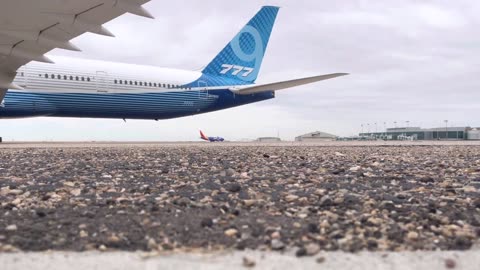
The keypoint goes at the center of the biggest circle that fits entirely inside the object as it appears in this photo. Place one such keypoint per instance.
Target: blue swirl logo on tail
(249, 39)
(240, 61)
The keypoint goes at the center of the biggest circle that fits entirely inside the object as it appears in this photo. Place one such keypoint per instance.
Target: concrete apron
(240, 260)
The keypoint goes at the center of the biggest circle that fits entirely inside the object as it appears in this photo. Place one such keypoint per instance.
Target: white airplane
(31, 86)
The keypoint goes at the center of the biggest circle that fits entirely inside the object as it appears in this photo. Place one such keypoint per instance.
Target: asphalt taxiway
(304, 200)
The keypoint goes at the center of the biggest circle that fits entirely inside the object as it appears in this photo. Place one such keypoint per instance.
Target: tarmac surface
(299, 198)
(421, 260)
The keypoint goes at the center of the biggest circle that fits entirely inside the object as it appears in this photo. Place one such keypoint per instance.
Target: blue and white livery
(97, 89)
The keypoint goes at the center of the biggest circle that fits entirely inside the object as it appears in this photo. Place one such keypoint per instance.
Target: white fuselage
(96, 89)
(71, 75)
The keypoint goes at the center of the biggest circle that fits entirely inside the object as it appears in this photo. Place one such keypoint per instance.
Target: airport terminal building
(417, 133)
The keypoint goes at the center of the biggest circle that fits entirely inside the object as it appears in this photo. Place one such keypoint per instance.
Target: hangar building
(317, 136)
(269, 139)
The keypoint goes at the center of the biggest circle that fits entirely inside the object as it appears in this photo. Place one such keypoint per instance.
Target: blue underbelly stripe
(122, 105)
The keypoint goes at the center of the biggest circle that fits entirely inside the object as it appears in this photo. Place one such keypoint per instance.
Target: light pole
(408, 123)
(446, 129)
(395, 123)
(362, 128)
(385, 128)
(368, 127)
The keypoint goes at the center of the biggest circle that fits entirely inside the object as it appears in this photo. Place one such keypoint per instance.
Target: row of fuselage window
(160, 85)
(65, 77)
(120, 82)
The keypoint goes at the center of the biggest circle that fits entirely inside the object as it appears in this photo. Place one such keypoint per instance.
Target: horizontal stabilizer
(283, 85)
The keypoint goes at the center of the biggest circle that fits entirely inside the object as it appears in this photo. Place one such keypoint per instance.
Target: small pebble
(450, 263)
(249, 263)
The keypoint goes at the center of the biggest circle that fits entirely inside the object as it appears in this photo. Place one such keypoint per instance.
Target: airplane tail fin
(203, 136)
(242, 58)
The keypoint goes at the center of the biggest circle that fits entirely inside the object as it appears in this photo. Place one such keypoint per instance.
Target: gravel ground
(212, 197)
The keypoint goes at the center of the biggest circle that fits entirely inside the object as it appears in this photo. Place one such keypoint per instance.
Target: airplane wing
(31, 28)
(2, 95)
(246, 90)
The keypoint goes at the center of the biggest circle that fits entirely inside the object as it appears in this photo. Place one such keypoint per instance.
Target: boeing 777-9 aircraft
(31, 86)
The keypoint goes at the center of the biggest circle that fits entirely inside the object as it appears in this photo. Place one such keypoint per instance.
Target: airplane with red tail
(210, 139)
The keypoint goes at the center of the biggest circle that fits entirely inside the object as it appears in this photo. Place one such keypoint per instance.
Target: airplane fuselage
(216, 139)
(97, 89)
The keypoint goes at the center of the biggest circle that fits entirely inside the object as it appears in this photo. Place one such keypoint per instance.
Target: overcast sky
(416, 61)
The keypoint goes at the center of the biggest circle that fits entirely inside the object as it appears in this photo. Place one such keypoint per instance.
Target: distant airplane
(97, 89)
(210, 139)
